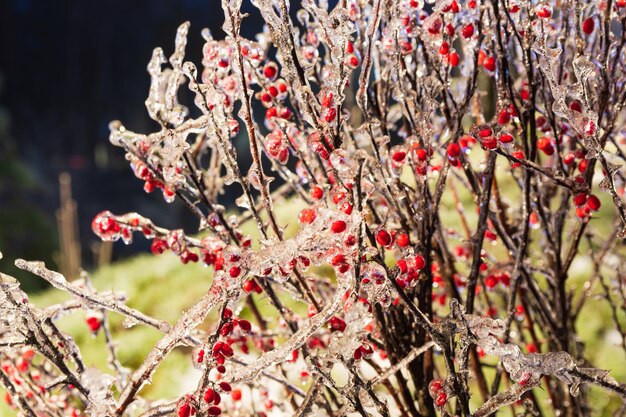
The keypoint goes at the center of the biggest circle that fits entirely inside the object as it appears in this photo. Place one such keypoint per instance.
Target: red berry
(544, 11)
(491, 281)
(444, 48)
(383, 237)
(234, 271)
(307, 216)
(490, 63)
(338, 260)
(576, 106)
(345, 207)
(225, 386)
(93, 323)
(317, 192)
(453, 59)
(588, 25)
(327, 100)
(401, 263)
(214, 411)
(184, 410)
(399, 156)
(236, 394)
(209, 395)
(454, 150)
(485, 133)
(329, 114)
(468, 31)
(504, 117)
(593, 203)
(336, 324)
(420, 263)
(227, 329)
(435, 387)
(580, 199)
(506, 138)
(402, 240)
(270, 71)
(245, 325)
(441, 399)
(338, 226)
(545, 145)
(490, 143)
(525, 378)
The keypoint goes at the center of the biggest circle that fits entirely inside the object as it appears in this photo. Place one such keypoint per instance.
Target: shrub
(452, 157)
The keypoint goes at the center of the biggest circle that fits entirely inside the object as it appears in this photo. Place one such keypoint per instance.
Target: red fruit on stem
(317, 192)
(93, 323)
(441, 399)
(383, 237)
(234, 271)
(580, 199)
(338, 226)
(454, 150)
(236, 394)
(209, 395)
(489, 64)
(544, 11)
(307, 216)
(588, 25)
(505, 138)
(434, 387)
(468, 31)
(453, 59)
(593, 203)
(420, 263)
(184, 410)
(270, 71)
(402, 240)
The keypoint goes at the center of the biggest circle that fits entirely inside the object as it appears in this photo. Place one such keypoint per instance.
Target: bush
(457, 162)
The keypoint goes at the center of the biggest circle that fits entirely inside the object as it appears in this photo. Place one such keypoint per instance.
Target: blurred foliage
(25, 231)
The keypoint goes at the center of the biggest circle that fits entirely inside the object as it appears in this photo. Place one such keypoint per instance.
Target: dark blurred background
(67, 68)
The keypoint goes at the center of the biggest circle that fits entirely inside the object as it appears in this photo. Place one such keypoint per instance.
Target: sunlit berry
(434, 387)
(468, 31)
(383, 237)
(441, 399)
(338, 226)
(588, 25)
(402, 240)
(593, 202)
(307, 216)
(270, 71)
(489, 64)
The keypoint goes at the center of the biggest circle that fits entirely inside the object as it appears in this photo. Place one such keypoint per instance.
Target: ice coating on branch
(517, 364)
(10, 294)
(101, 401)
(314, 241)
(162, 102)
(251, 371)
(584, 122)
